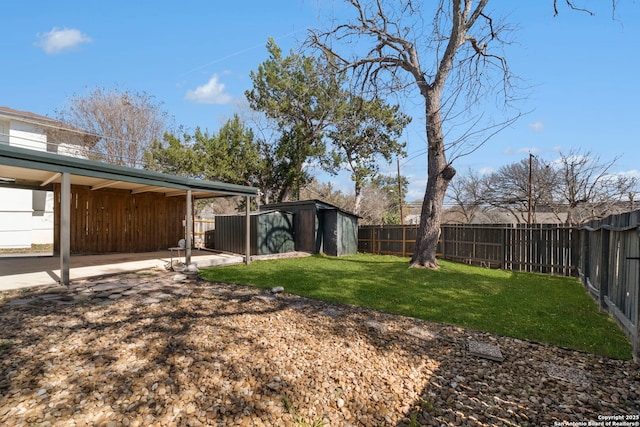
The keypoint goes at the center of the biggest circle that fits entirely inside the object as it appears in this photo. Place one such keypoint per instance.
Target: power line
(239, 52)
(28, 142)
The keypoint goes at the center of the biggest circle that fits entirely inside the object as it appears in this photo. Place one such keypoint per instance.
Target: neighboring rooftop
(11, 112)
(55, 129)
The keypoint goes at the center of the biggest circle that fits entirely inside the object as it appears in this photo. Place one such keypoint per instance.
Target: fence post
(404, 241)
(585, 261)
(604, 268)
(376, 250)
(575, 237)
(636, 321)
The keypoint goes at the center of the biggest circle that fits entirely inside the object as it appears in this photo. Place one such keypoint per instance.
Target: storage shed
(271, 233)
(320, 227)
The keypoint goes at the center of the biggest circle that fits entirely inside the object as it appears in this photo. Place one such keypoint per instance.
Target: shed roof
(318, 204)
(24, 168)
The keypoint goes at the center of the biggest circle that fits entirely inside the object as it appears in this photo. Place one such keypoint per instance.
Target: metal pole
(65, 227)
(188, 229)
(247, 241)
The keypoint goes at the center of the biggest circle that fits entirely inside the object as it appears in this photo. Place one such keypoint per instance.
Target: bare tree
(450, 61)
(572, 5)
(468, 195)
(575, 188)
(522, 188)
(327, 193)
(588, 190)
(378, 205)
(125, 123)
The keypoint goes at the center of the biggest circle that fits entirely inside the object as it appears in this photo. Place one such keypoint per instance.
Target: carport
(30, 169)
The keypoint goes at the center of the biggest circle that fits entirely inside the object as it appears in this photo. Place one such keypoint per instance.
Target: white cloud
(416, 188)
(487, 170)
(210, 93)
(633, 173)
(520, 151)
(59, 40)
(629, 175)
(537, 126)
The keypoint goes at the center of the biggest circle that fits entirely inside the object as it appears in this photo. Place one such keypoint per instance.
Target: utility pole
(400, 192)
(530, 187)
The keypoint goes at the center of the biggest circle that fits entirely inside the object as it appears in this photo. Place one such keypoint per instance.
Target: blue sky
(195, 56)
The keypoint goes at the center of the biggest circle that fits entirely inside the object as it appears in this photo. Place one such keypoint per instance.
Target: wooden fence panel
(388, 239)
(202, 228)
(111, 220)
(473, 244)
(623, 272)
(605, 254)
(537, 248)
(541, 248)
(610, 269)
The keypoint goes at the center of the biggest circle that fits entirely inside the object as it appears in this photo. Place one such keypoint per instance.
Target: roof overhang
(24, 168)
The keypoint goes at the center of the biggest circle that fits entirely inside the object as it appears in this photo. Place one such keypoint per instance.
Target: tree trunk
(358, 199)
(569, 220)
(439, 175)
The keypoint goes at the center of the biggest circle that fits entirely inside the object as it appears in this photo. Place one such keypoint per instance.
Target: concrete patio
(28, 270)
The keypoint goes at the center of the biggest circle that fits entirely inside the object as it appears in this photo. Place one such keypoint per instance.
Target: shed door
(305, 234)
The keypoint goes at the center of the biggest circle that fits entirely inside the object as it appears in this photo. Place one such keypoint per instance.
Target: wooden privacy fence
(609, 268)
(540, 248)
(113, 220)
(203, 232)
(604, 254)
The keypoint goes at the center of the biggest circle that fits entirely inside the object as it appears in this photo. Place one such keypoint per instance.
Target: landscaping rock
(180, 353)
(484, 350)
(192, 268)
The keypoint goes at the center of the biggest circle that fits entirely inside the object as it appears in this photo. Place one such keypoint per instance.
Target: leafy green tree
(387, 186)
(319, 119)
(297, 93)
(363, 132)
(232, 155)
(172, 155)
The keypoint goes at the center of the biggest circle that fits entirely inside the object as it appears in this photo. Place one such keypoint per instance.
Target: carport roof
(24, 168)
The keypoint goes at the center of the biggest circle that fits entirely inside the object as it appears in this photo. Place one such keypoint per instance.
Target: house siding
(16, 218)
(27, 215)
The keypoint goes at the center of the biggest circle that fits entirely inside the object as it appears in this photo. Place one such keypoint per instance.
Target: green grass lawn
(537, 307)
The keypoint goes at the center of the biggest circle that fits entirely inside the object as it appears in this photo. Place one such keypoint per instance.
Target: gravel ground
(157, 348)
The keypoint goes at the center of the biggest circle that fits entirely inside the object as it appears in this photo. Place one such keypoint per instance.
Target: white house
(26, 215)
